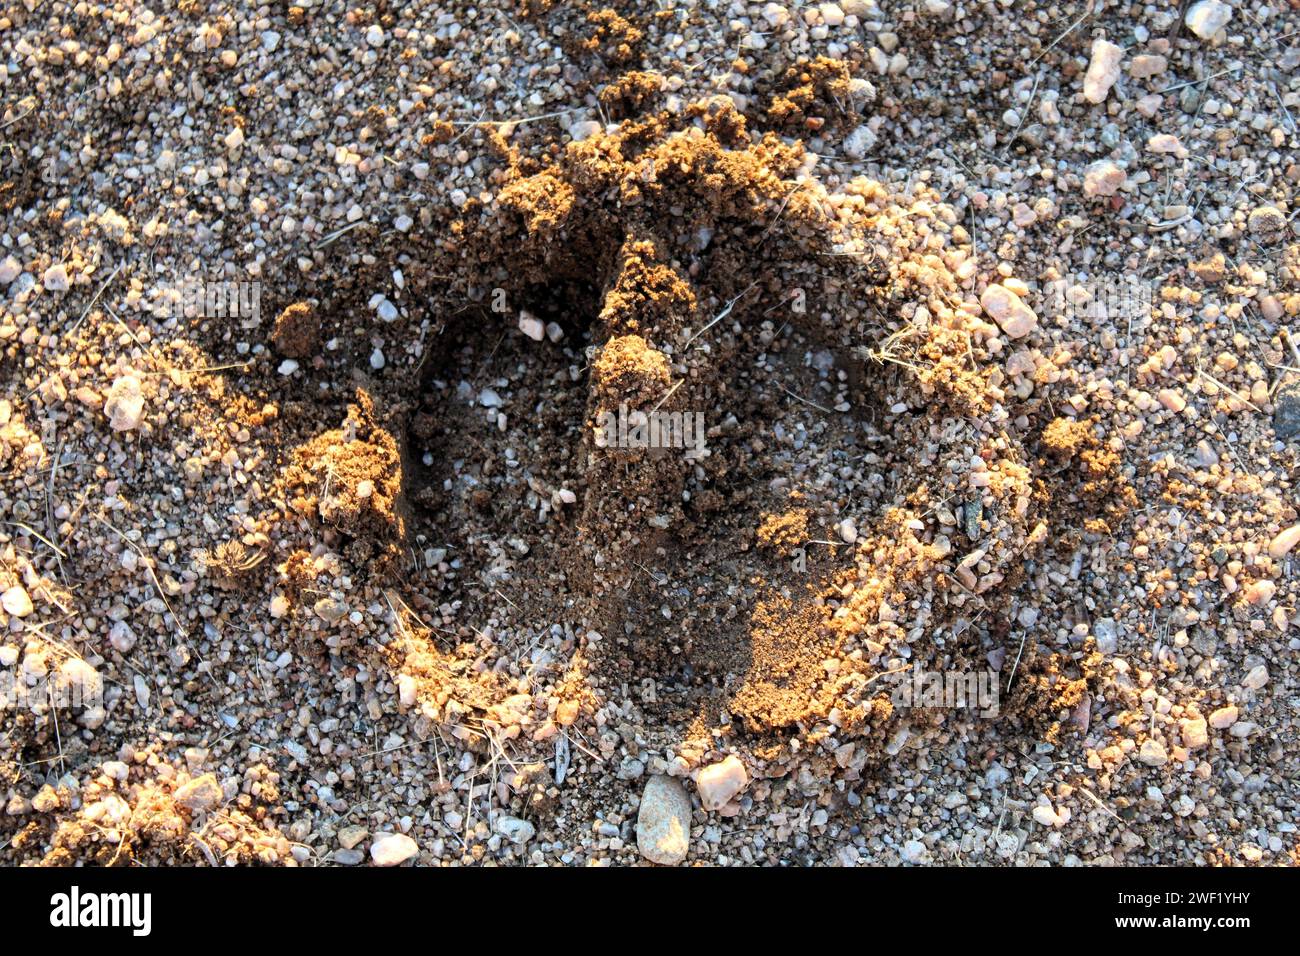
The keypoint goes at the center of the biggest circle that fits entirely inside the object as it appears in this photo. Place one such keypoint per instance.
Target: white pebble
(1103, 178)
(1152, 753)
(1046, 816)
(1280, 546)
(1167, 143)
(860, 142)
(1147, 65)
(406, 688)
(390, 849)
(1195, 735)
(1207, 18)
(1257, 678)
(514, 829)
(56, 278)
(1266, 220)
(1103, 70)
(142, 692)
(531, 326)
(663, 822)
(1224, 717)
(1171, 399)
(1009, 311)
(775, 15)
(718, 783)
(124, 405)
(584, 130)
(914, 852)
(1260, 592)
(17, 601)
(121, 637)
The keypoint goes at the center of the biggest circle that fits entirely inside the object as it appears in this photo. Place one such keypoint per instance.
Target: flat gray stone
(1286, 411)
(663, 824)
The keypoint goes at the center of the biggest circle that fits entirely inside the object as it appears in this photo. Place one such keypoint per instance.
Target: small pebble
(17, 601)
(514, 829)
(584, 130)
(1103, 178)
(720, 782)
(201, 794)
(860, 142)
(1009, 311)
(351, 836)
(1256, 679)
(1281, 545)
(531, 326)
(1224, 717)
(915, 852)
(1103, 70)
(390, 849)
(1266, 221)
(1207, 17)
(1171, 399)
(1146, 65)
(1195, 735)
(121, 637)
(124, 404)
(56, 278)
(1152, 753)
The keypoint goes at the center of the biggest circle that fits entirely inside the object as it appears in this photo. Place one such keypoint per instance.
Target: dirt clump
(784, 532)
(615, 38)
(350, 478)
(296, 332)
(630, 93)
(816, 92)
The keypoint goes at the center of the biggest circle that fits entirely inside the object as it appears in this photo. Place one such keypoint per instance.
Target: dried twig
(726, 311)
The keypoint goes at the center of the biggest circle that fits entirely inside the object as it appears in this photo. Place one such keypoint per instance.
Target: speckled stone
(663, 824)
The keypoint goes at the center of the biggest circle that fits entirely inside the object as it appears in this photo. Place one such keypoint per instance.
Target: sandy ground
(328, 535)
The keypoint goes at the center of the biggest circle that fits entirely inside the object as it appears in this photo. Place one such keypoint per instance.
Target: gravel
(182, 511)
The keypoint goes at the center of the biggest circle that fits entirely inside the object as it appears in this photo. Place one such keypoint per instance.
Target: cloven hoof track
(691, 266)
